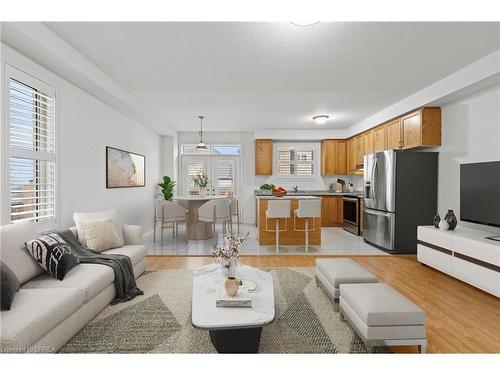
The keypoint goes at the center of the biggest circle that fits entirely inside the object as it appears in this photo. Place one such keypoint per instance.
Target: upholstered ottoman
(382, 316)
(331, 273)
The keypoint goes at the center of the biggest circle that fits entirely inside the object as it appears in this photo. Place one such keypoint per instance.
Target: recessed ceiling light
(304, 23)
(320, 119)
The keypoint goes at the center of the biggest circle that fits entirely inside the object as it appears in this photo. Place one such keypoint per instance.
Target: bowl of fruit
(278, 191)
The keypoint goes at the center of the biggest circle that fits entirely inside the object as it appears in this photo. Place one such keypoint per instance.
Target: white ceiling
(244, 76)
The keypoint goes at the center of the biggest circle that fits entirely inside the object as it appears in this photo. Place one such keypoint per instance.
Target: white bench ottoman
(331, 273)
(382, 316)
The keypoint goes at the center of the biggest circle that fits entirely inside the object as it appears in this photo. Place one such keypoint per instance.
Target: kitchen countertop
(287, 196)
(306, 193)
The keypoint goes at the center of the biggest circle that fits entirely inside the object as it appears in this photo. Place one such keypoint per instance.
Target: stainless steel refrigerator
(400, 193)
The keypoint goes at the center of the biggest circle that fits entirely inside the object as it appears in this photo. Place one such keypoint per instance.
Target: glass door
(191, 166)
(225, 175)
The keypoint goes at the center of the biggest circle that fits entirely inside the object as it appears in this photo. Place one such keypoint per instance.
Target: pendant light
(201, 146)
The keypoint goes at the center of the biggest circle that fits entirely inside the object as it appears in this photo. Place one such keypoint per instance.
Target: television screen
(480, 193)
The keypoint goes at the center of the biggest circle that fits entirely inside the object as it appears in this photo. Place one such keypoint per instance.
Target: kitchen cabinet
(331, 211)
(333, 157)
(263, 157)
(359, 149)
(379, 139)
(393, 133)
(421, 128)
(351, 157)
(368, 140)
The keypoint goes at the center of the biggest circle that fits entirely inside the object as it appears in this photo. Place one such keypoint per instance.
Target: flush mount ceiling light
(320, 119)
(304, 23)
(201, 146)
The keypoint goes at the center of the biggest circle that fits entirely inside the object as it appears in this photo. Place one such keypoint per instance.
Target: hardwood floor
(460, 318)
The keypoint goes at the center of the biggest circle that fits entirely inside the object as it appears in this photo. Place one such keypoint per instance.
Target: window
(30, 134)
(297, 160)
(212, 150)
(224, 176)
(194, 167)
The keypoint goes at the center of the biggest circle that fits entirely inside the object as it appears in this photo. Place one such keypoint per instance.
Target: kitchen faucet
(295, 189)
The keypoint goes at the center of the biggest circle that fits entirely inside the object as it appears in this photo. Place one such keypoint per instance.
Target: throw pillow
(53, 254)
(9, 285)
(80, 217)
(101, 234)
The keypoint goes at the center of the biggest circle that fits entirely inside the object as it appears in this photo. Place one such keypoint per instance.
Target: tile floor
(334, 241)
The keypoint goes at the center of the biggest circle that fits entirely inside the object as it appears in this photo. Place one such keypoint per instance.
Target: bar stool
(308, 209)
(215, 211)
(235, 211)
(278, 209)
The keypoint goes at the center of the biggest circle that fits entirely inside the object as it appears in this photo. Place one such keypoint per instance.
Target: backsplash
(321, 183)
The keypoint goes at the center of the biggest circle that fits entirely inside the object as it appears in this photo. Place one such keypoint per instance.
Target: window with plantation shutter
(30, 134)
(194, 167)
(225, 175)
(295, 161)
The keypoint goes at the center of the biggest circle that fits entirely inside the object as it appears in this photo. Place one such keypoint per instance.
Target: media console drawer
(434, 258)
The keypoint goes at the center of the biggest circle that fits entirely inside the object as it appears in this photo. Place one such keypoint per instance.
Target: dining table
(195, 229)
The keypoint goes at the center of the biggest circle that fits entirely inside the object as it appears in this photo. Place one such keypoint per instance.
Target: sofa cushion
(13, 252)
(101, 234)
(344, 271)
(378, 304)
(9, 285)
(53, 254)
(35, 312)
(91, 278)
(135, 252)
(78, 217)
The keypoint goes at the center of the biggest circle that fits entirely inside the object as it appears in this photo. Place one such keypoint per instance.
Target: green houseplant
(167, 187)
(201, 181)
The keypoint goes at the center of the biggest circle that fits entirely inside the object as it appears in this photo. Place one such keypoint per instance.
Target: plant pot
(203, 192)
(232, 285)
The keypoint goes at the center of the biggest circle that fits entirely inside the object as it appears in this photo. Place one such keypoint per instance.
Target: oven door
(351, 215)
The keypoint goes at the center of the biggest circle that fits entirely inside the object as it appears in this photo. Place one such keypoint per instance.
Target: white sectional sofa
(47, 313)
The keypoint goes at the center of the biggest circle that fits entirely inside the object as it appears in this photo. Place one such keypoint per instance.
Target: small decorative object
(331, 188)
(232, 284)
(228, 254)
(451, 219)
(200, 180)
(124, 169)
(278, 191)
(443, 225)
(167, 188)
(436, 221)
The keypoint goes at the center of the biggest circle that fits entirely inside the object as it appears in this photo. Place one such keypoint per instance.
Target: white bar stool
(308, 209)
(278, 209)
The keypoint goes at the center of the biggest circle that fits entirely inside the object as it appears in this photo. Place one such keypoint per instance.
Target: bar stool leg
(307, 235)
(277, 236)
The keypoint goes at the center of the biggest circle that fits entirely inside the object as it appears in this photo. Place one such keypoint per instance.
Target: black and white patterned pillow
(53, 254)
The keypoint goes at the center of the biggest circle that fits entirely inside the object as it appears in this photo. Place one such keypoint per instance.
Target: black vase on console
(436, 221)
(451, 219)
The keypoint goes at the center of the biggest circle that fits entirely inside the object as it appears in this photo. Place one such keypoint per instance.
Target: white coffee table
(232, 329)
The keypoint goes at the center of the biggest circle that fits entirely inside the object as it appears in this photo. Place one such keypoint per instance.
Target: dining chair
(215, 211)
(166, 213)
(234, 205)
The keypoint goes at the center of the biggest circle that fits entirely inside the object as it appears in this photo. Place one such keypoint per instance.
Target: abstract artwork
(124, 168)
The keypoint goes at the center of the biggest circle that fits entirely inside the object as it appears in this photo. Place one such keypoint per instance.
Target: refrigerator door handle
(374, 183)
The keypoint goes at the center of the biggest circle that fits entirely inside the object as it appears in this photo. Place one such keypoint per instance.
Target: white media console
(464, 253)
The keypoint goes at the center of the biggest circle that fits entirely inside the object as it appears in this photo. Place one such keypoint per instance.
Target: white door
(192, 165)
(225, 175)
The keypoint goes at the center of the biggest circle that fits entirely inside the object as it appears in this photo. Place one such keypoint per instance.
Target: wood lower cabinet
(333, 157)
(263, 157)
(332, 211)
(379, 139)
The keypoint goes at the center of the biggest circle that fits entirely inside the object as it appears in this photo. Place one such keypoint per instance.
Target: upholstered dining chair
(234, 206)
(215, 211)
(169, 213)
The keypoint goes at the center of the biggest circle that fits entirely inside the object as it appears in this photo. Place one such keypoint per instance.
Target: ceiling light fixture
(320, 119)
(304, 23)
(201, 146)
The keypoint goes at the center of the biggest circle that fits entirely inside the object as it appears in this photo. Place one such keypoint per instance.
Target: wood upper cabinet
(333, 157)
(359, 149)
(421, 128)
(263, 157)
(369, 145)
(331, 211)
(379, 139)
(351, 157)
(393, 134)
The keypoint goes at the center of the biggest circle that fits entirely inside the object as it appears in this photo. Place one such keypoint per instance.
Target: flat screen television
(480, 193)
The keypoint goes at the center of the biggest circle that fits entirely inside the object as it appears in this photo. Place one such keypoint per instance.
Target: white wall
(246, 139)
(470, 133)
(85, 126)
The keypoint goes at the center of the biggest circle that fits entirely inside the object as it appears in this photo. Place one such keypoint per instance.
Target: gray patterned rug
(160, 320)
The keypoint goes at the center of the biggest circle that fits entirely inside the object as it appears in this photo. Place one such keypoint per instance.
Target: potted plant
(167, 188)
(200, 180)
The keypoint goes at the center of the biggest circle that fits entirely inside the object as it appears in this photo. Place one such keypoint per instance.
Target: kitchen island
(289, 236)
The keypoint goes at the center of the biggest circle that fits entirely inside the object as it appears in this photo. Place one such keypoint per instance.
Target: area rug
(160, 320)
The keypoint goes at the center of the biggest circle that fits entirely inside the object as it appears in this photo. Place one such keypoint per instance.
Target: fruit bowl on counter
(278, 192)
